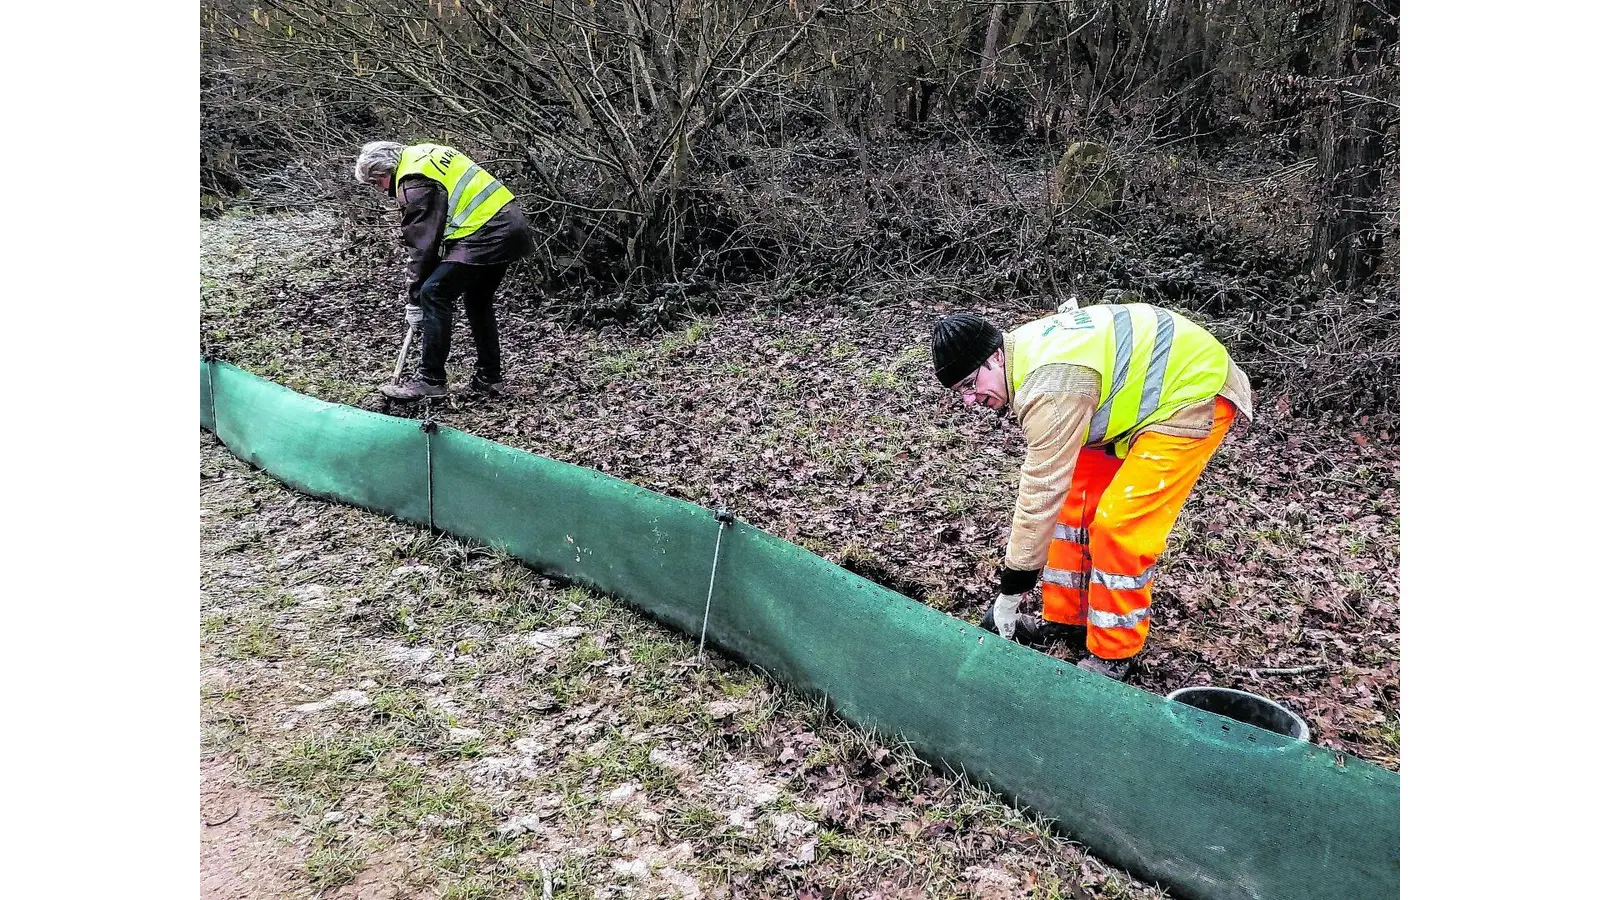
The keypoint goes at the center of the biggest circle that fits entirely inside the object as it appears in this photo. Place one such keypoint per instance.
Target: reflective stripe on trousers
(1064, 592)
(1126, 510)
(1112, 620)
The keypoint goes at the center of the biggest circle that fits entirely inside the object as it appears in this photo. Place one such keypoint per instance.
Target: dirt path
(243, 853)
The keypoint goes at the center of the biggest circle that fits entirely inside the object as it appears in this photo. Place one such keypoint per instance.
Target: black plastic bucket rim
(1243, 706)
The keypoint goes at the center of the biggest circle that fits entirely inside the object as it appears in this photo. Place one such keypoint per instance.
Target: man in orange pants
(1122, 407)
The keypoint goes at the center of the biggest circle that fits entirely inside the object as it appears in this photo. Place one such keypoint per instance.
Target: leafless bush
(662, 147)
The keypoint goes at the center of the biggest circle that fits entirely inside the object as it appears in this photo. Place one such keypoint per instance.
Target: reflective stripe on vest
(489, 190)
(1150, 398)
(1100, 619)
(475, 195)
(460, 188)
(1122, 329)
(1151, 363)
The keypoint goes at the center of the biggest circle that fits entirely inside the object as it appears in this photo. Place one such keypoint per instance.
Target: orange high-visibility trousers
(1114, 526)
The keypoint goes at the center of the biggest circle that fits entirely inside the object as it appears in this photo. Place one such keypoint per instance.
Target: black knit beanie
(961, 343)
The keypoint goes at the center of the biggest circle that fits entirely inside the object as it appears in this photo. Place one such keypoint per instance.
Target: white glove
(1005, 614)
(413, 314)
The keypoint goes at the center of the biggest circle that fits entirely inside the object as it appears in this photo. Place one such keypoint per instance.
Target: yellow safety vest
(475, 195)
(1152, 362)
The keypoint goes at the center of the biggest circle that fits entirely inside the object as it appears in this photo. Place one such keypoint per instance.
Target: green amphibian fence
(1210, 807)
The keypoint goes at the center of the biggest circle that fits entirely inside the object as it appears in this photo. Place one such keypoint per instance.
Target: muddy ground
(389, 714)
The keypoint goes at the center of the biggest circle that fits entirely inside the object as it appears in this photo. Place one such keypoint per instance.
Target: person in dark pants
(463, 228)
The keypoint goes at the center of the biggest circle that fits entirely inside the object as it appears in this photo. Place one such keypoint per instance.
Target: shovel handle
(405, 347)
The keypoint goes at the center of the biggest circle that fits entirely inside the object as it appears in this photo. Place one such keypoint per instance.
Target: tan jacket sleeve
(1054, 408)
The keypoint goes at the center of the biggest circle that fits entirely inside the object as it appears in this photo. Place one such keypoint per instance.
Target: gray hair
(377, 158)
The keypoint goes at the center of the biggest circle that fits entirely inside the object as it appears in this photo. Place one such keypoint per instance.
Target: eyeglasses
(969, 383)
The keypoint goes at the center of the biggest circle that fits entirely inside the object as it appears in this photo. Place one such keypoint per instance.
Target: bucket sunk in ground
(1242, 706)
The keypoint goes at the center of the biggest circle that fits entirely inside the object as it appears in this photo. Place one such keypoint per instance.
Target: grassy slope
(817, 420)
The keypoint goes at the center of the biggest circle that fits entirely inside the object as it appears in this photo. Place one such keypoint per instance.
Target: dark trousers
(475, 285)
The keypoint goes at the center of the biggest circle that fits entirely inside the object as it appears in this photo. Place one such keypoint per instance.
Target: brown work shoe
(412, 389)
(1115, 669)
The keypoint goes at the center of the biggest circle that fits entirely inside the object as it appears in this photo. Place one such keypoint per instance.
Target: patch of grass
(691, 821)
(1354, 582)
(899, 375)
(574, 877)
(614, 365)
(569, 689)
(821, 756)
(632, 763)
(409, 543)
(449, 552)
(333, 863)
(1115, 888)
(413, 793)
(397, 618)
(736, 685)
(224, 695)
(958, 503)
(255, 640)
(587, 650)
(833, 843)
(594, 609)
(697, 330)
(401, 705)
(1389, 733)
(651, 650)
(221, 302)
(886, 380)
(323, 766)
(819, 546)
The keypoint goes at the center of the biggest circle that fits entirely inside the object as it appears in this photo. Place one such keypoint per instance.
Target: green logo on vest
(1080, 321)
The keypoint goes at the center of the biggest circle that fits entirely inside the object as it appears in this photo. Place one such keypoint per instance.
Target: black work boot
(1037, 631)
(1115, 669)
(481, 384)
(987, 622)
(412, 389)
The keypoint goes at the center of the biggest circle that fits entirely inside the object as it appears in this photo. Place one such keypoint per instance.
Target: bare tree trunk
(991, 45)
(1346, 244)
(1019, 31)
